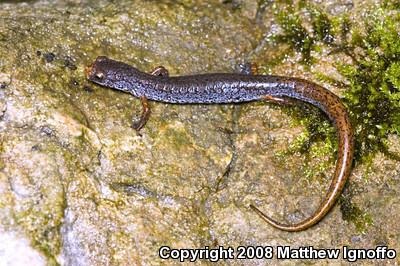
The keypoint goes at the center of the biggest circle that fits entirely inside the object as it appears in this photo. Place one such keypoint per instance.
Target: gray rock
(85, 189)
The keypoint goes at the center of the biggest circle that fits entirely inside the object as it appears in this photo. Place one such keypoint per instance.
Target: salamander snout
(88, 70)
(94, 74)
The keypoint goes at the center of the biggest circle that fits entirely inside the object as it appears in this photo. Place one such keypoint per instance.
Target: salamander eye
(99, 75)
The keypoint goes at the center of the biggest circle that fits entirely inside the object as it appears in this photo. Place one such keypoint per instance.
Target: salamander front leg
(158, 71)
(145, 115)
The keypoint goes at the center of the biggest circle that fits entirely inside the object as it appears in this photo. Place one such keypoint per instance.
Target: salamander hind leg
(145, 115)
(248, 68)
(278, 100)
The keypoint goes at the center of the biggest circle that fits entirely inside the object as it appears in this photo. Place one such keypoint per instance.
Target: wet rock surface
(79, 186)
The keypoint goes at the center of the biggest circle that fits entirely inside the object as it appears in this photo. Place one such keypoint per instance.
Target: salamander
(224, 88)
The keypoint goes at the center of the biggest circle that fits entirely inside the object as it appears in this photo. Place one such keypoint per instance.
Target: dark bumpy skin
(234, 88)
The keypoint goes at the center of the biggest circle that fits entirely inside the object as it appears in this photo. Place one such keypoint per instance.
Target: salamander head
(113, 74)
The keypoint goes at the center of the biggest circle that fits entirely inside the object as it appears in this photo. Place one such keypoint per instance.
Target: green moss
(294, 33)
(372, 83)
(235, 5)
(295, 21)
(322, 26)
(317, 141)
(374, 86)
(355, 215)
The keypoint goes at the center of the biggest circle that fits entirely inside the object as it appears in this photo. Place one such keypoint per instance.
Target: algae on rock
(85, 189)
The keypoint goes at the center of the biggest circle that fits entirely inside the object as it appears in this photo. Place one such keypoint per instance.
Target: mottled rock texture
(79, 186)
